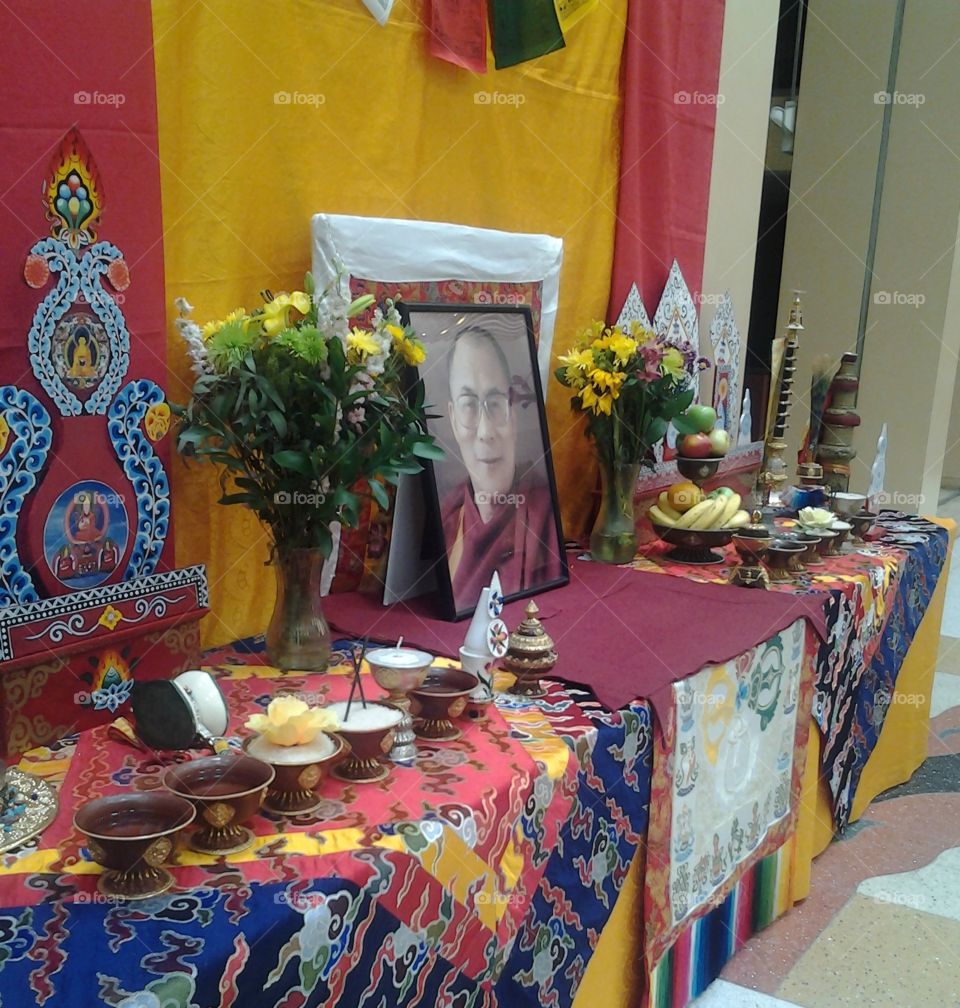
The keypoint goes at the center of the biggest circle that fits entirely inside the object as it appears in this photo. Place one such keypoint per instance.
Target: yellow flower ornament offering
(290, 722)
(816, 518)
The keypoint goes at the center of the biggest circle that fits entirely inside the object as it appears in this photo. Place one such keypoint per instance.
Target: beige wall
(740, 139)
(835, 156)
(951, 460)
(912, 340)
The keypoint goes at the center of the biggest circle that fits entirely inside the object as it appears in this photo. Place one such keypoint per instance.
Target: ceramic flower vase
(614, 536)
(298, 636)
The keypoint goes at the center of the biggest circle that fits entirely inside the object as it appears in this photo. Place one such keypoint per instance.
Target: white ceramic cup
(202, 693)
(480, 665)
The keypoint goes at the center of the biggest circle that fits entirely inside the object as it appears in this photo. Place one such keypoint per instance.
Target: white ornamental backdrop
(633, 310)
(676, 319)
(725, 339)
(676, 315)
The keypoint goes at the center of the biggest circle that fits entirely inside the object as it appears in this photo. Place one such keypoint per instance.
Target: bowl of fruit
(695, 523)
(701, 445)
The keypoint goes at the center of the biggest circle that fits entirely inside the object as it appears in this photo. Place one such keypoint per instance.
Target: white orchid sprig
(192, 335)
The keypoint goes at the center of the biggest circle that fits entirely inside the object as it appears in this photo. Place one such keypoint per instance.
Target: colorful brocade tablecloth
(878, 594)
(481, 876)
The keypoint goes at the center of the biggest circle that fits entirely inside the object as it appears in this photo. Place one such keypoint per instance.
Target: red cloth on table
(622, 633)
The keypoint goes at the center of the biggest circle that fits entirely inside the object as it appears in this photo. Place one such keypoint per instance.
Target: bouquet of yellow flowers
(303, 412)
(630, 383)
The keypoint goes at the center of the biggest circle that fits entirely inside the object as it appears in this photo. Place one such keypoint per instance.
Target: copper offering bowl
(827, 539)
(843, 530)
(697, 468)
(228, 790)
(694, 546)
(751, 544)
(441, 698)
(862, 522)
(297, 773)
(131, 835)
(810, 556)
(781, 553)
(369, 734)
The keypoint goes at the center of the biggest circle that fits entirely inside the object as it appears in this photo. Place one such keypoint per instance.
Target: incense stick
(355, 681)
(363, 652)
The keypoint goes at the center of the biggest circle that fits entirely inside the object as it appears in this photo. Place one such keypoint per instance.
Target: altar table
(481, 876)
(484, 876)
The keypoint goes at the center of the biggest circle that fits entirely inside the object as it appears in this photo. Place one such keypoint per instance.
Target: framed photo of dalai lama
(492, 500)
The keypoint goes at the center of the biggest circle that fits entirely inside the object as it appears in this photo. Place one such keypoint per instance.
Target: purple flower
(652, 356)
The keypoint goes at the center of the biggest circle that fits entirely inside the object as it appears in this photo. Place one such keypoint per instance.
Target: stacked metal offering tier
(774, 471)
(840, 421)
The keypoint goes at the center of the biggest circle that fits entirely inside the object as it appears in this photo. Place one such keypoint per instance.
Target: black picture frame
(542, 563)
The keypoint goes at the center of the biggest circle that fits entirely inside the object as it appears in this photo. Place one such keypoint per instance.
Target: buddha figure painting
(80, 351)
(85, 534)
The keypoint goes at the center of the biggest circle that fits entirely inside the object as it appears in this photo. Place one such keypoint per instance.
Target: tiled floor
(882, 923)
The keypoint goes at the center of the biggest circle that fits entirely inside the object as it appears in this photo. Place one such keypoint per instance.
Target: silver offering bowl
(399, 670)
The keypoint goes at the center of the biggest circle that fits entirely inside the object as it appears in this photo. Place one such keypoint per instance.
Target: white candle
(399, 657)
(370, 718)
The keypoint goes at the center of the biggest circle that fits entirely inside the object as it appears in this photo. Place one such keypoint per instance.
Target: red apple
(719, 442)
(695, 446)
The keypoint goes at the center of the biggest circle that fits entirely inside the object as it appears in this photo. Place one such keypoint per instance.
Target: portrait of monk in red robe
(501, 516)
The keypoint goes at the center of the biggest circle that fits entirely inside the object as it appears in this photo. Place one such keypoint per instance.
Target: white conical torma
(476, 639)
(746, 421)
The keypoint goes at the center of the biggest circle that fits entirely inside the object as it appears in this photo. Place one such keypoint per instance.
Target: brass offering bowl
(370, 734)
(694, 546)
(439, 699)
(780, 555)
(227, 790)
(862, 522)
(298, 772)
(131, 836)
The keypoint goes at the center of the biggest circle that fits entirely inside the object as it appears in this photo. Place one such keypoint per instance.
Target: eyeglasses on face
(467, 409)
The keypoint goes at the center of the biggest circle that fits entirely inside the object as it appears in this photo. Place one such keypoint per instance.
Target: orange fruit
(683, 496)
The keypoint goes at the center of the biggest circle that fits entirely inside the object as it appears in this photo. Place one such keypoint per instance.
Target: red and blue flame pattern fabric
(483, 876)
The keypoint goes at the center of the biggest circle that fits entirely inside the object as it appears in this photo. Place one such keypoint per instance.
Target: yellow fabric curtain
(373, 126)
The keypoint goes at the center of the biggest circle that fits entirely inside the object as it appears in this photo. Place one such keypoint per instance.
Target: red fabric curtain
(671, 71)
(101, 84)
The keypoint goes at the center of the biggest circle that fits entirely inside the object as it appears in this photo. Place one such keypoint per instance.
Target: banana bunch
(721, 510)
